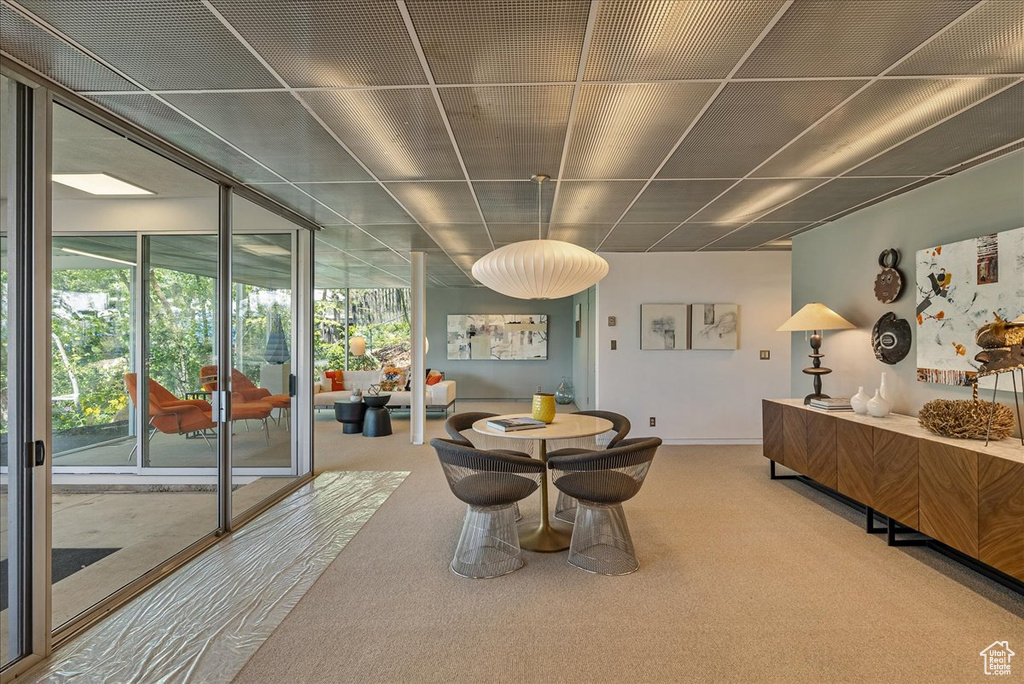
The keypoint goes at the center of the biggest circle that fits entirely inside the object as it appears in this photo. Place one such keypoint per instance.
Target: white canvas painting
(498, 337)
(663, 326)
(959, 287)
(714, 326)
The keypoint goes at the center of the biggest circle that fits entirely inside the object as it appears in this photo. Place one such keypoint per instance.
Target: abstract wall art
(714, 326)
(498, 337)
(664, 326)
(960, 286)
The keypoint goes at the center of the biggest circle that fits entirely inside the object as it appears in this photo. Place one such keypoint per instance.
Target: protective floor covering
(204, 622)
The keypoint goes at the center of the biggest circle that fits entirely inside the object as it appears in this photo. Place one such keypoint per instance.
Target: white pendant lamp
(540, 269)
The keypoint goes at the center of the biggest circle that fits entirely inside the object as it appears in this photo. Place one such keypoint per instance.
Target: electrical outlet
(652, 421)
(615, 345)
(611, 321)
(766, 355)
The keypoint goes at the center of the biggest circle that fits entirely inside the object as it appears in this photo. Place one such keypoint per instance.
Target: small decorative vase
(564, 393)
(356, 396)
(884, 390)
(878, 406)
(859, 401)
(544, 407)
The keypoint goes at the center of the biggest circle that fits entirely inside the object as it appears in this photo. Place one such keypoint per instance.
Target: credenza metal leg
(893, 528)
(869, 522)
(780, 477)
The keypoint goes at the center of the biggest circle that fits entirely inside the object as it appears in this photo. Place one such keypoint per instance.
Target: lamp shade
(540, 269)
(815, 316)
(357, 345)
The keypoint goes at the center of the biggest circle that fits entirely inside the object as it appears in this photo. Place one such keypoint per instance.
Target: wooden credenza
(960, 492)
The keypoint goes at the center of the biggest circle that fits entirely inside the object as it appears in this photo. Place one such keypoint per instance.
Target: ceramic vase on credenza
(879, 406)
(859, 402)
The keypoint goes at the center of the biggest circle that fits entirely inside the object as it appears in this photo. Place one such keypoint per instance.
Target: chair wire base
(565, 508)
(489, 543)
(601, 542)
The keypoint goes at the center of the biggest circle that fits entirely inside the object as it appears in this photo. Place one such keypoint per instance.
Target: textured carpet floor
(742, 579)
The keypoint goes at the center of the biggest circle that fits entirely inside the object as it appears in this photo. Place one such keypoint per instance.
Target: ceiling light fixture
(99, 184)
(96, 256)
(540, 269)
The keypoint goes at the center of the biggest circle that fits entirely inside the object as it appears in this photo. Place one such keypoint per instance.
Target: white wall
(696, 396)
(836, 264)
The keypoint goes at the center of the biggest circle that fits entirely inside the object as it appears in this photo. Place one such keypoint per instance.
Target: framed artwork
(498, 337)
(714, 326)
(664, 326)
(959, 288)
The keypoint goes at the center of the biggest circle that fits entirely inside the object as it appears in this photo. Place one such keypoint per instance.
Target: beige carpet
(742, 580)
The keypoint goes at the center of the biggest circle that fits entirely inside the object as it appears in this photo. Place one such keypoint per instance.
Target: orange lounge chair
(169, 414)
(242, 408)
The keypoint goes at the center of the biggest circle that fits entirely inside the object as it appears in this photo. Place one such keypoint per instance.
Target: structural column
(417, 404)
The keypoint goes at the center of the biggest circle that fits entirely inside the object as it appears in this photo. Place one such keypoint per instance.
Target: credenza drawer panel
(794, 438)
(894, 478)
(949, 495)
(771, 430)
(1001, 514)
(855, 461)
(821, 448)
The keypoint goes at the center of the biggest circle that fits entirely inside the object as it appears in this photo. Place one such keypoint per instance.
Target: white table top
(565, 426)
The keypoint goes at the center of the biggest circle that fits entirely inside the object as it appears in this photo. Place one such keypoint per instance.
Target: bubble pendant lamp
(540, 269)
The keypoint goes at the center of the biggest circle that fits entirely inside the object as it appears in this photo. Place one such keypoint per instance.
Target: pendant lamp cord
(540, 235)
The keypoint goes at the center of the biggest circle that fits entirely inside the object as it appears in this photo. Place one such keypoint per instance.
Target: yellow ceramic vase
(544, 407)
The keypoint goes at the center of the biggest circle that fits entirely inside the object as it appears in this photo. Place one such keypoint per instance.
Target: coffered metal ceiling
(672, 125)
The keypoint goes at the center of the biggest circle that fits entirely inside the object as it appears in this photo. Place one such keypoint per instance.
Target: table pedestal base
(546, 539)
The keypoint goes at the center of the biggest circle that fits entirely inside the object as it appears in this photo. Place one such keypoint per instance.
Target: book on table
(514, 424)
(832, 404)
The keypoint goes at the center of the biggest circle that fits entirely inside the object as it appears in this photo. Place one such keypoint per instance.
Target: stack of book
(514, 424)
(836, 404)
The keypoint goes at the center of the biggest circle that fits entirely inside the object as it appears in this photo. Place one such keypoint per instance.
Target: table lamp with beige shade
(815, 318)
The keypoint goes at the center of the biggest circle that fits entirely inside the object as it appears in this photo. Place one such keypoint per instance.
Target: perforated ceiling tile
(673, 39)
(911, 185)
(398, 133)
(50, 55)
(455, 280)
(849, 38)
(986, 126)
(506, 233)
(625, 131)
(439, 264)
(277, 130)
(509, 132)
(163, 44)
(748, 122)
(835, 196)
(437, 202)
(156, 117)
(988, 41)
(985, 158)
(352, 238)
(501, 41)
(328, 43)
(581, 202)
(402, 238)
(460, 237)
(690, 237)
(297, 201)
(362, 203)
(673, 201)
(634, 237)
(751, 198)
(584, 235)
(881, 116)
(753, 235)
(514, 202)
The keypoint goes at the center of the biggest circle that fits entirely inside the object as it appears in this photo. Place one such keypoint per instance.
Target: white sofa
(439, 397)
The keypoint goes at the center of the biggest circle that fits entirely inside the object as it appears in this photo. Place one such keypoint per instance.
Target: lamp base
(809, 397)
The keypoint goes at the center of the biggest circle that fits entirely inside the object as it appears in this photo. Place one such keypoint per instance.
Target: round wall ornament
(889, 281)
(890, 338)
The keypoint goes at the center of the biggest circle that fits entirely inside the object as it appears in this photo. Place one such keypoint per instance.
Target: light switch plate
(615, 345)
(611, 321)
(766, 355)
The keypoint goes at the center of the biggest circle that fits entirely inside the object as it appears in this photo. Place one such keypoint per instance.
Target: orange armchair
(243, 390)
(242, 408)
(169, 414)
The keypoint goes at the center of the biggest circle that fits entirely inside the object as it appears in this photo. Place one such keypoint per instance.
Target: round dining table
(549, 535)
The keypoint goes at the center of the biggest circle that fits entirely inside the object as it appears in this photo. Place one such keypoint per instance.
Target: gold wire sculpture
(966, 418)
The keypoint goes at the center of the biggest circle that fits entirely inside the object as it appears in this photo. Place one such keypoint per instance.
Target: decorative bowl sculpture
(966, 418)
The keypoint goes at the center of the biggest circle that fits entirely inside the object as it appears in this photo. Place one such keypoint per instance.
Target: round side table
(350, 415)
(377, 422)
